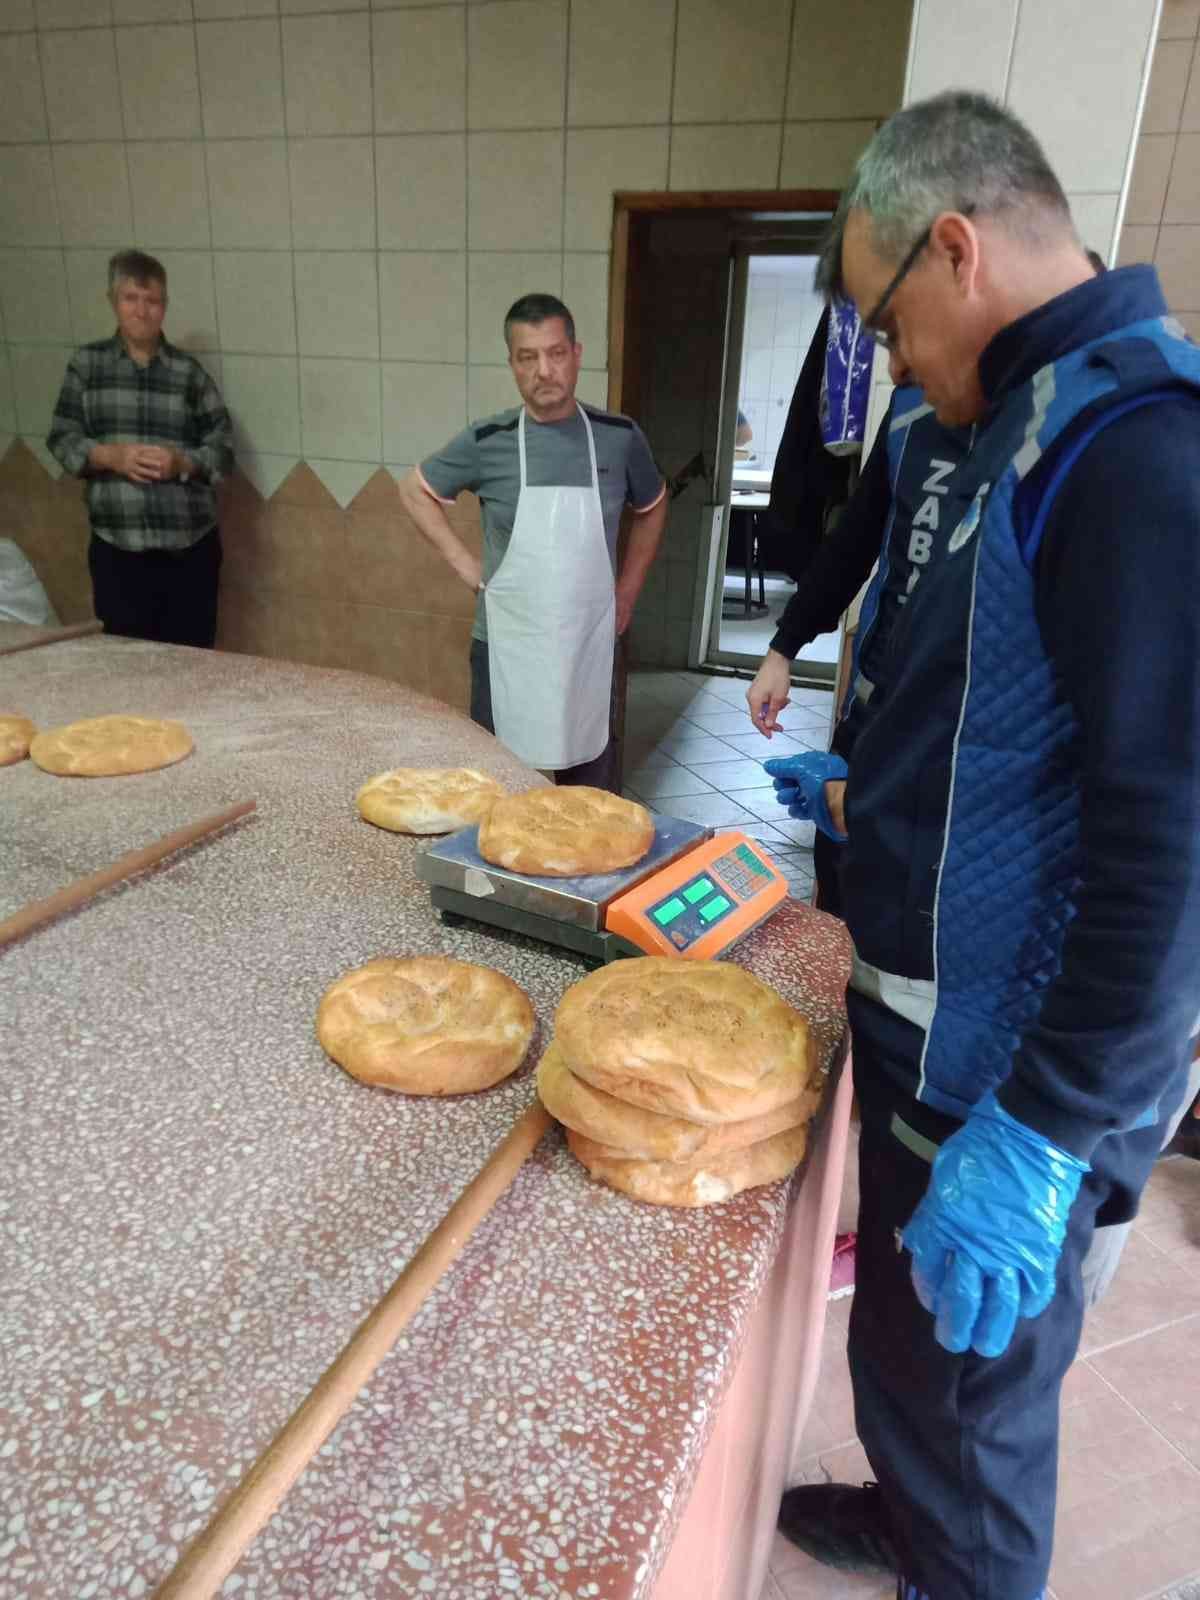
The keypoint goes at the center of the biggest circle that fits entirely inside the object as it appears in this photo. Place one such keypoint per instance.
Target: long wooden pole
(75, 894)
(77, 630)
(212, 1556)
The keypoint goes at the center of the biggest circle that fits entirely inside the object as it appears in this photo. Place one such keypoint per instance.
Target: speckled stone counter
(197, 1208)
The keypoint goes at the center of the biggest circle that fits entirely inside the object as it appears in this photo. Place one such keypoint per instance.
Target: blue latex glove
(800, 786)
(986, 1238)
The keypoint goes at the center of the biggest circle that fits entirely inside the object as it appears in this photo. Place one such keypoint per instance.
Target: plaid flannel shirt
(106, 398)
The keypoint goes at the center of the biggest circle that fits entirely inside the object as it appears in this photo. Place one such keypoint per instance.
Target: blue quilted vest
(960, 877)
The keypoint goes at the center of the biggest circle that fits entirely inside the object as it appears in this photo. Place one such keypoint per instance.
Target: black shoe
(840, 1526)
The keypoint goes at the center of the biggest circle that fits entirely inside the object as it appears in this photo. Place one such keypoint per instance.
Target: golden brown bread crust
(702, 1181)
(15, 734)
(110, 747)
(702, 1040)
(565, 833)
(427, 799)
(630, 1132)
(426, 1024)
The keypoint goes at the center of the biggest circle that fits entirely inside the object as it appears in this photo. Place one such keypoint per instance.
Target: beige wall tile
(8, 399)
(1180, 19)
(126, 11)
(601, 161)
(745, 157)
(216, 10)
(87, 288)
(848, 59)
(255, 303)
(731, 61)
(170, 193)
(305, 7)
(397, 5)
(22, 108)
(420, 67)
(93, 194)
(423, 306)
(1096, 219)
(241, 78)
(1190, 119)
(517, 55)
(959, 46)
(1167, 86)
(1151, 170)
(1183, 193)
(821, 155)
(33, 297)
(1064, 68)
(424, 406)
(585, 292)
(263, 396)
(421, 183)
(327, 74)
(337, 303)
(248, 193)
(1178, 261)
(1137, 244)
(160, 93)
(333, 193)
(339, 409)
(192, 312)
(620, 67)
(592, 389)
(493, 283)
(73, 13)
(515, 191)
(17, 15)
(37, 375)
(28, 210)
(80, 72)
(490, 389)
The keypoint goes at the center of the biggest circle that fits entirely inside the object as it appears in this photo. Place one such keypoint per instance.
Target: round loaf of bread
(565, 833)
(110, 747)
(632, 1132)
(15, 734)
(427, 799)
(701, 1181)
(703, 1040)
(426, 1024)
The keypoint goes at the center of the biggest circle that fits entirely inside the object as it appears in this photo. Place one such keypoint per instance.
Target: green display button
(668, 913)
(752, 860)
(697, 891)
(714, 908)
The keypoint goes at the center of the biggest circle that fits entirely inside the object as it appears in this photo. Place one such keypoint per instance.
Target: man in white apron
(553, 478)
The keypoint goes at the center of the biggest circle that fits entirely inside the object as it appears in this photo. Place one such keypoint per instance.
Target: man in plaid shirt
(145, 425)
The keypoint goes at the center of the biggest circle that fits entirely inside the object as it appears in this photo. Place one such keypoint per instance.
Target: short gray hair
(955, 152)
(135, 264)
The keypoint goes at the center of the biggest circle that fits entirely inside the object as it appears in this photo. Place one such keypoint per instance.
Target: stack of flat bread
(110, 747)
(427, 799)
(681, 1082)
(15, 735)
(426, 1024)
(570, 832)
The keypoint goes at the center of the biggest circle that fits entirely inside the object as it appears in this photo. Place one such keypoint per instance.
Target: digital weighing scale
(691, 895)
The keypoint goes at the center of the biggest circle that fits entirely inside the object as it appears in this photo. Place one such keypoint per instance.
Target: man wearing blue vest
(1022, 868)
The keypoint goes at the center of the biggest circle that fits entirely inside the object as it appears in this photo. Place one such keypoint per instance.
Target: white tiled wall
(348, 197)
(782, 312)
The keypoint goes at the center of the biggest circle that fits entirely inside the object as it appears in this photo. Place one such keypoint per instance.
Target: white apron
(551, 622)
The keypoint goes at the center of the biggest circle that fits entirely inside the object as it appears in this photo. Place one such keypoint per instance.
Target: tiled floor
(1129, 1481)
(690, 750)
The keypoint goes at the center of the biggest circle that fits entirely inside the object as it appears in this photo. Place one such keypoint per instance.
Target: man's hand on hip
(768, 694)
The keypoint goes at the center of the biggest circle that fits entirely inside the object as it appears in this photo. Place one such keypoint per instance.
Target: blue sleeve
(1117, 578)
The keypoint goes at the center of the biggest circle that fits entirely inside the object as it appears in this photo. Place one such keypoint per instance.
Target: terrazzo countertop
(197, 1208)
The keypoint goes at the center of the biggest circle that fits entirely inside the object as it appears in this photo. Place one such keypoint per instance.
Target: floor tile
(752, 744)
(1169, 1218)
(1156, 1374)
(660, 783)
(763, 832)
(795, 829)
(727, 720)
(710, 810)
(648, 758)
(691, 747)
(1150, 1291)
(764, 803)
(734, 773)
(1130, 1541)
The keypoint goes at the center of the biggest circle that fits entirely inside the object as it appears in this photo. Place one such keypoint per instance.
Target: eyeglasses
(871, 323)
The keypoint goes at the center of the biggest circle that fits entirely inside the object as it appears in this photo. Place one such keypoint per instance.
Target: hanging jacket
(1022, 879)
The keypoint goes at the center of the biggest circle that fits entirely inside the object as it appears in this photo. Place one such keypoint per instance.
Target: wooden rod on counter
(78, 893)
(77, 630)
(214, 1553)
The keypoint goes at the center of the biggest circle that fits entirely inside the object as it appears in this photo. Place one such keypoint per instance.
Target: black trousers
(965, 1448)
(598, 774)
(169, 596)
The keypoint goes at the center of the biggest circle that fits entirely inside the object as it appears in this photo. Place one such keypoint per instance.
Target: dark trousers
(169, 596)
(598, 774)
(965, 1448)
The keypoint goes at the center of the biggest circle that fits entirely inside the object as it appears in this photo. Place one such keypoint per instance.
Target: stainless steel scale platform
(567, 912)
